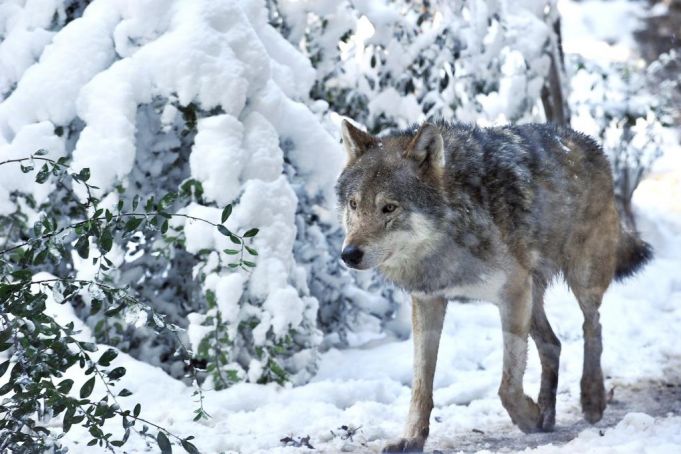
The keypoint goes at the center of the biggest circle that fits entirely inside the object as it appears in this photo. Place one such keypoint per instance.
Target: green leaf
(95, 306)
(149, 205)
(168, 199)
(211, 299)
(41, 152)
(137, 410)
(65, 386)
(125, 392)
(226, 212)
(251, 250)
(83, 246)
(106, 240)
(40, 258)
(190, 448)
(84, 174)
(7, 289)
(88, 346)
(251, 233)
(107, 357)
(43, 175)
(116, 373)
(224, 230)
(230, 251)
(5, 335)
(135, 202)
(247, 263)
(7, 387)
(164, 443)
(132, 224)
(22, 275)
(87, 388)
(3, 367)
(235, 239)
(27, 168)
(68, 419)
(115, 310)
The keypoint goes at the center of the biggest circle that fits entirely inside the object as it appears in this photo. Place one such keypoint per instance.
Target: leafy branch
(41, 349)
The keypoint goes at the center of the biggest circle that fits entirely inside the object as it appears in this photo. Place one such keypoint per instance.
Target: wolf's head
(390, 196)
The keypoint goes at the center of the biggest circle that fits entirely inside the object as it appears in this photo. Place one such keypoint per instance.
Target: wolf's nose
(352, 255)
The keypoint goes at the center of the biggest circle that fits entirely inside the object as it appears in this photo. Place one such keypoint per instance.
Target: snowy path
(658, 399)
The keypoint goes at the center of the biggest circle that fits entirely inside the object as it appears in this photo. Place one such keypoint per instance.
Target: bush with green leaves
(37, 349)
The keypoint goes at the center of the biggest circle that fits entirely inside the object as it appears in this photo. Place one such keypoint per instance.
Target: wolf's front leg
(516, 310)
(427, 318)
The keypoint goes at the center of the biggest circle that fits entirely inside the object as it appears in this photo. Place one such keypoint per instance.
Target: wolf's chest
(487, 289)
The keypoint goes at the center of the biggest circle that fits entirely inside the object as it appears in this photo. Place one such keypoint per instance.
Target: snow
(288, 309)
(218, 157)
(600, 30)
(228, 292)
(49, 89)
(33, 137)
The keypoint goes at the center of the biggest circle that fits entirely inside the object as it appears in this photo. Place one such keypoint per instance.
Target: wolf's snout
(352, 255)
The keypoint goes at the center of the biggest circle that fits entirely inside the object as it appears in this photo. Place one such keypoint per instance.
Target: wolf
(454, 211)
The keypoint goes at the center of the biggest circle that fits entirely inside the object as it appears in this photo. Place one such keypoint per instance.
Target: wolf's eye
(353, 204)
(389, 208)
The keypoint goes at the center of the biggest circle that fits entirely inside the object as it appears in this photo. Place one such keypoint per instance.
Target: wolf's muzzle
(352, 256)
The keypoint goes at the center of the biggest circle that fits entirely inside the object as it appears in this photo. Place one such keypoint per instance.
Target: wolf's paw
(405, 445)
(547, 419)
(593, 401)
(523, 412)
(593, 410)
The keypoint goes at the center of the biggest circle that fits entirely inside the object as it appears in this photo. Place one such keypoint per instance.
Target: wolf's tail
(632, 254)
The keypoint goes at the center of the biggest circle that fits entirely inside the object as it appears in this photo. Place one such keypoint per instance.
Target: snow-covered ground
(358, 399)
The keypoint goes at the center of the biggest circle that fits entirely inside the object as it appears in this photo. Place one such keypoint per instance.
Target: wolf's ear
(427, 147)
(355, 140)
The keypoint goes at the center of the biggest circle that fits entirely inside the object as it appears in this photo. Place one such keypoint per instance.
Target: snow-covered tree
(619, 104)
(393, 62)
(153, 96)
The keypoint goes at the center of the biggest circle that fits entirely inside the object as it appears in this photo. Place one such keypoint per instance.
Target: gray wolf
(450, 211)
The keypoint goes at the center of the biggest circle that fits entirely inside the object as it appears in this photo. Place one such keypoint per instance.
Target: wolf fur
(456, 211)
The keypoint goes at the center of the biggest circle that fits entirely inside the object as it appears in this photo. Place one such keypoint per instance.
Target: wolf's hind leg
(427, 318)
(593, 389)
(589, 270)
(548, 346)
(516, 312)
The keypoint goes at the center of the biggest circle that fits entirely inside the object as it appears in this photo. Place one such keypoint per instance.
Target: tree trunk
(552, 96)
